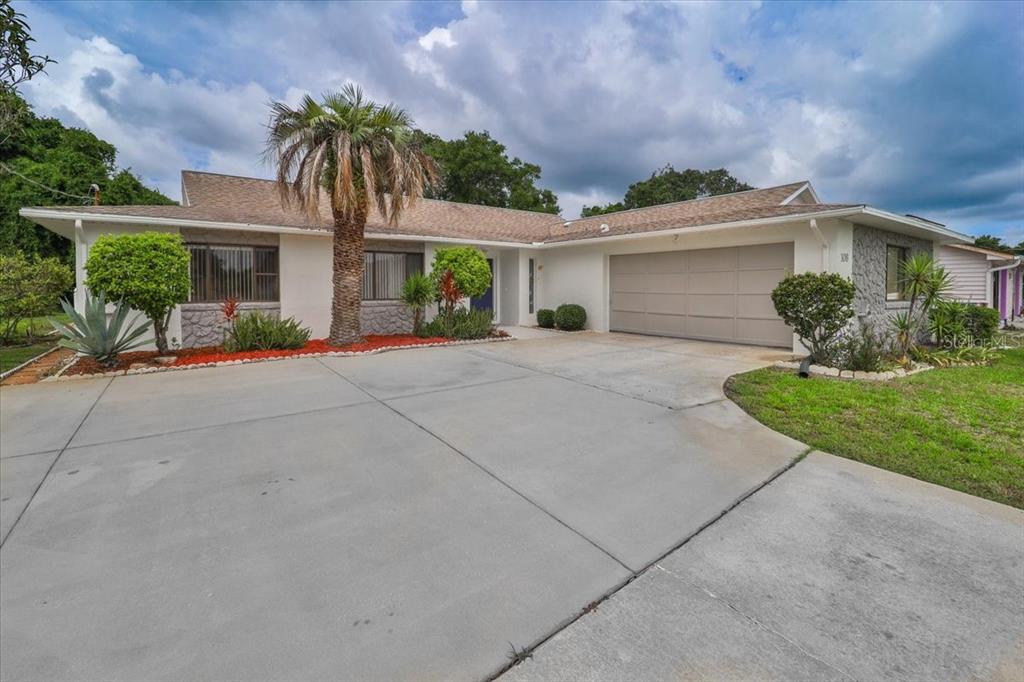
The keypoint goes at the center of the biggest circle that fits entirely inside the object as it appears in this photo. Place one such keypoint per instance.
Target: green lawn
(962, 428)
(20, 349)
(12, 356)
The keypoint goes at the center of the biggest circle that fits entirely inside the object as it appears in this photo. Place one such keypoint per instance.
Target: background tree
(363, 156)
(17, 65)
(29, 288)
(987, 241)
(47, 164)
(668, 185)
(475, 169)
(146, 270)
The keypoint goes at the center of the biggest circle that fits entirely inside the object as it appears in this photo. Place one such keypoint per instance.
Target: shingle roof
(724, 208)
(232, 199)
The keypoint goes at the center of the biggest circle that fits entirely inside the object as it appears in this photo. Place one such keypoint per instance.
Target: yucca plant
(924, 284)
(96, 336)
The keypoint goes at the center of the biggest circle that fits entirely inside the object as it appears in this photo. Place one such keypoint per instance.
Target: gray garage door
(714, 294)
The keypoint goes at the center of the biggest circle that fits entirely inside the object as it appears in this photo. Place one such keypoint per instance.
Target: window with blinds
(245, 273)
(386, 272)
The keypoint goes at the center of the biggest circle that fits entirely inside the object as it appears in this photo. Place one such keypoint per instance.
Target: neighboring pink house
(986, 277)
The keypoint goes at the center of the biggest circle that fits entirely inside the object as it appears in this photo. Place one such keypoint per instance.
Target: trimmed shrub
(464, 325)
(816, 305)
(148, 271)
(468, 266)
(570, 317)
(546, 318)
(259, 331)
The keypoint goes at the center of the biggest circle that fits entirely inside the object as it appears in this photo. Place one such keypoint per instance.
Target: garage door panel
(712, 282)
(710, 327)
(668, 283)
(721, 294)
(763, 332)
(667, 262)
(712, 305)
(712, 259)
(667, 325)
(758, 281)
(628, 301)
(669, 304)
(629, 264)
(629, 282)
(628, 321)
(755, 305)
(764, 256)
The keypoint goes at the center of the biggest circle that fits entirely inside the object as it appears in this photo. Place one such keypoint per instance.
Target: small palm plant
(94, 336)
(417, 293)
(924, 284)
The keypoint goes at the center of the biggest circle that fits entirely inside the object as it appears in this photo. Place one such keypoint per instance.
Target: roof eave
(937, 232)
(35, 213)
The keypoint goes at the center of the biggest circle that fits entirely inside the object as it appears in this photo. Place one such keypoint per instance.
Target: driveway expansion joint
(49, 469)
(190, 429)
(488, 472)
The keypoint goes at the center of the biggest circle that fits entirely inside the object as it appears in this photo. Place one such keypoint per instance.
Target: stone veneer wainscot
(869, 271)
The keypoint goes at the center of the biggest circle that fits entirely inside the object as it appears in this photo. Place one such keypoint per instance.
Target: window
(530, 269)
(245, 273)
(895, 256)
(386, 272)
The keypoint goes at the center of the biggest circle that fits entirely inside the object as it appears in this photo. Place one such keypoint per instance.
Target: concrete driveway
(410, 515)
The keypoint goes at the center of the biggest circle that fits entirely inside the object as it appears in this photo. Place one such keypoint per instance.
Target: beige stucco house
(699, 269)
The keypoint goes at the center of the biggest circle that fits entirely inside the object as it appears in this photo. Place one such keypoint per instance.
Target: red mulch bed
(198, 356)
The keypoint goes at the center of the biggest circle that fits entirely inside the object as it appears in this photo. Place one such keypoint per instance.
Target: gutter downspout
(79, 266)
(824, 244)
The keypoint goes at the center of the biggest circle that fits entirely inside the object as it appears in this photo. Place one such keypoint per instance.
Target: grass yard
(19, 349)
(962, 427)
(12, 356)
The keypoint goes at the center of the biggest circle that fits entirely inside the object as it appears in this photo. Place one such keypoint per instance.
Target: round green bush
(570, 317)
(546, 318)
(147, 270)
(816, 305)
(468, 266)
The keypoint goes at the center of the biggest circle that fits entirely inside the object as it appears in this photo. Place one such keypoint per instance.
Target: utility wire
(39, 184)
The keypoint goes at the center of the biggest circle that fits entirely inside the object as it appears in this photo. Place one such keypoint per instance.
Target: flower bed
(140, 362)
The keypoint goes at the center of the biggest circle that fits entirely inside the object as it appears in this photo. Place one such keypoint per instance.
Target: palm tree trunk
(347, 278)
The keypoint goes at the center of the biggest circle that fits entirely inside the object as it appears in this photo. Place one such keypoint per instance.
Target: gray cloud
(914, 107)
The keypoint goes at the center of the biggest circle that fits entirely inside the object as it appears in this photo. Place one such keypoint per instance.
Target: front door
(485, 301)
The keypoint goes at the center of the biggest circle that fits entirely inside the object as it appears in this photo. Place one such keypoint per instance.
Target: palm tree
(362, 156)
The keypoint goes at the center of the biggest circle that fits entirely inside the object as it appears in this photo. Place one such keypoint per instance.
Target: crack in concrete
(753, 620)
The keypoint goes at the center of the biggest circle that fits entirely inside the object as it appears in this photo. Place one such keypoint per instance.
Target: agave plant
(95, 336)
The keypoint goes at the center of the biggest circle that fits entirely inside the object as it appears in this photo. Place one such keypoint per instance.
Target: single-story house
(986, 277)
(701, 269)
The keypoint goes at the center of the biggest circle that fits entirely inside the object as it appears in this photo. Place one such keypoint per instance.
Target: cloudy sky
(914, 107)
